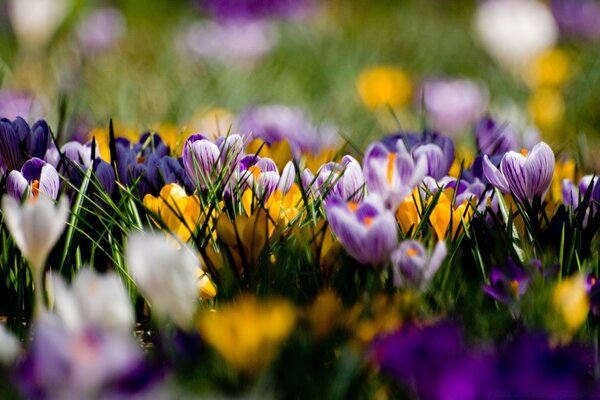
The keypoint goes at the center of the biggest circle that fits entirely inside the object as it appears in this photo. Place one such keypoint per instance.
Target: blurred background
(360, 67)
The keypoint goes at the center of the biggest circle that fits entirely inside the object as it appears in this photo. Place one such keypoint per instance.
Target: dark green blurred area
(314, 65)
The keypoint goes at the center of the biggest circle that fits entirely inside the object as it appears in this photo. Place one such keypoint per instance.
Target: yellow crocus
(547, 108)
(280, 152)
(445, 214)
(248, 333)
(177, 211)
(384, 86)
(562, 170)
(571, 302)
(551, 68)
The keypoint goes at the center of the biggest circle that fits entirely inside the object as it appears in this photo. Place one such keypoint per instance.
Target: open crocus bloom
(35, 177)
(392, 175)
(368, 231)
(527, 177)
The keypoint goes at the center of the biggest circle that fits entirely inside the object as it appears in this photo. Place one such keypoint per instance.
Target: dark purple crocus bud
(35, 178)
(105, 174)
(38, 139)
(12, 134)
(493, 138)
(508, 284)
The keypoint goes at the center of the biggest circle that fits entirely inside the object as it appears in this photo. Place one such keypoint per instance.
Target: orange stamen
(35, 188)
(390, 167)
(412, 252)
(524, 151)
(368, 221)
(255, 171)
(352, 206)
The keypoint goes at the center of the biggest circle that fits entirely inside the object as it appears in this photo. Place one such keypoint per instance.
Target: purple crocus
(206, 162)
(413, 267)
(453, 104)
(15, 104)
(343, 179)
(100, 29)
(508, 284)
(494, 139)
(526, 177)
(262, 175)
(392, 174)
(35, 178)
(368, 231)
(577, 18)
(255, 9)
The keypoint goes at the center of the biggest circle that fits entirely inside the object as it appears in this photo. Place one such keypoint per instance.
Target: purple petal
(538, 168)
(17, 185)
(10, 150)
(287, 177)
(32, 169)
(49, 181)
(494, 176)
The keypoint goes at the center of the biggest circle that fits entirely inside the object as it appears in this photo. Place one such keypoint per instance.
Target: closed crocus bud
(35, 21)
(435, 159)
(368, 231)
(352, 181)
(413, 267)
(38, 140)
(11, 136)
(287, 178)
(526, 177)
(165, 274)
(35, 178)
(201, 160)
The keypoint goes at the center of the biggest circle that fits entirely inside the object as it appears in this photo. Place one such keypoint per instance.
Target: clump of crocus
(367, 230)
(411, 265)
(175, 209)
(248, 332)
(527, 177)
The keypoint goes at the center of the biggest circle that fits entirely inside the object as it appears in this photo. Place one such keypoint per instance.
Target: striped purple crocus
(204, 160)
(343, 179)
(393, 175)
(262, 176)
(35, 178)
(413, 267)
(368, 231)
(527, 177)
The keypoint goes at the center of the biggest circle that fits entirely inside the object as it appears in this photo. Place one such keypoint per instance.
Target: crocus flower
(240, 42)
(35, 21)
(91, 363)
(579, 18)
(15, 104)
(508, 284)
(35, 227)
(515, 31)
(368, 231)
(100, 29)
(256, 9)
(412, 266)
(571, 302)
(248, 333)
(35, 178)
(453, 104)
(392, 175)
(526, 177)
(206, 162)
(12, 134)
(494, 139)
(343, 179)
(165, 274)
(384, 86)
(94, 300)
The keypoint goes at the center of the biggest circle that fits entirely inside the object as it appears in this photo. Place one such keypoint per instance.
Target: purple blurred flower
(453, 105)
(206, 162)
(413, 267)
(368, 231)
(62, 364)
(434, 363)
(494, 139)
(508, 284)
(593, 291)
(275, 123)
(343, 179)
(526, 177)
(35, 178)
(393, 175)
(15, 104)
(100, 29)
(577, 17)
(232, 42)
(254, 9)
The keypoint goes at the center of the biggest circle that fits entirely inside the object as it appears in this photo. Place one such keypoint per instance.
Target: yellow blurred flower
(314, 161)
(562, 170)
(382, 86)
(172, 136)
(547, 108)
(571, 302)
(409, 212)
(324, 313)
(212, 122)
(279, 152)
(102, 136)
(176, 210)
(206, 288)
(464, 157)
(248, 333)
(445, 214)
(551, 68)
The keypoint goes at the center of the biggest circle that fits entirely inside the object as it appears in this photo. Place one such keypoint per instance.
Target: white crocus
(36, 227)
(9, 346)
(98, 300)
(35, 21)
(165, 274)
(515, 31)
